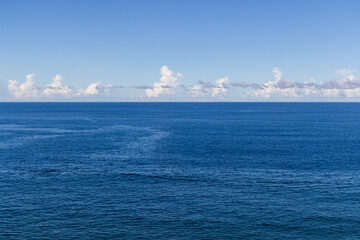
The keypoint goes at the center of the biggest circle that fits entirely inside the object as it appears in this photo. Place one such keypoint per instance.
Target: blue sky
(124, 44)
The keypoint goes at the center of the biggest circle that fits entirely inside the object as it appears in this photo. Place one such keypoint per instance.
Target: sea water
(179, 170)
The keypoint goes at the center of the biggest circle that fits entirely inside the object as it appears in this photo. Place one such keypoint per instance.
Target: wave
(19, 141)
(165, 177)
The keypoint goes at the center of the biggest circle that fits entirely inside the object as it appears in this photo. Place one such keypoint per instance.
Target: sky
(161, 50)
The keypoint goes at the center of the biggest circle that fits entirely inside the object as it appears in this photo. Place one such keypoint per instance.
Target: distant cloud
(221, 87)
(96, 89)
(347, 85)
(92, 89)
(23, 90)
(56, 88)
(277, 73)
(243, 84)
(142, 87)
(28, 90)
(345, 72)
(168, 81)
(240, 84)
(206, 89)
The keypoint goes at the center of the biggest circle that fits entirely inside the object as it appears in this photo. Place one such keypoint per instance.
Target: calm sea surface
(179, 170)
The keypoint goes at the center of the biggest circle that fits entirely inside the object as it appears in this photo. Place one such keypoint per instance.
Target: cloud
(221, 87)
(277, 73)
(240, 84)
(96, 89)
(23, 90)
(168, 82)
(206, 89)
(349, 82)
(202, 90)
(92, 89)
(345, 72)
(109, 88)
(142, 87)
(282, 88)
(56, 88)
(243, 84)
(346, 87)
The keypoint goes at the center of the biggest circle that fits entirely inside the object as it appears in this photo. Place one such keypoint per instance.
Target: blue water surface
(179, 170)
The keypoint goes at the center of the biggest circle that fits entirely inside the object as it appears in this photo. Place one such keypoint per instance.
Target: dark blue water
(179, 170)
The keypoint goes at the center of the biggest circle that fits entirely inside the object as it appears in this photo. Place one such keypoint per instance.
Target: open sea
(179, 171)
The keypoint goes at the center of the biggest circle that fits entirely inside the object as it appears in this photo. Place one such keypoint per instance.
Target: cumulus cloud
(348, 86)
(23, 90)
(349, 82)
(221, 87)
(168, 82)
(96, 89)
(92, 89)
(56, 88)
(204, 89)
(207, 89)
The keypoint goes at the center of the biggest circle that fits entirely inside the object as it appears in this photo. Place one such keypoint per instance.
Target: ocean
(179, 171)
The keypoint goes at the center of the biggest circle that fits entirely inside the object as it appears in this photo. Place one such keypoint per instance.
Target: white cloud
(345, 72)
(108, 88)
(56, 88)
(346, 87)
(277, 73)
(168, 82)
(92, 89)
(96, 89)
(221, 87)
(205, 89)
(202, 90)
(23, 90)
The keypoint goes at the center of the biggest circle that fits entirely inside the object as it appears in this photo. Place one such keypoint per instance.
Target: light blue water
(179, 170)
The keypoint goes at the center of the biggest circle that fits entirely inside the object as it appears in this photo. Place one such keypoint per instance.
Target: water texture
(179, 171)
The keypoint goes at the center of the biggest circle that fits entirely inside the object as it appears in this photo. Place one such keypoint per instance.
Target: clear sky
(167, 50)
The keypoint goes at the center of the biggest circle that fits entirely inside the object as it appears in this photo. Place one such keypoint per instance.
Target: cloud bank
(55, 90)
(348, 86)
(172, 86)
